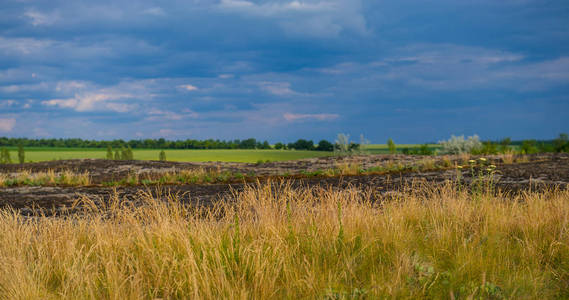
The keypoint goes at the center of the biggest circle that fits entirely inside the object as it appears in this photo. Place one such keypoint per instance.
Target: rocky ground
(537, 171)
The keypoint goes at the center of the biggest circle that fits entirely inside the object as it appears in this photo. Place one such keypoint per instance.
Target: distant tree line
(161, 143)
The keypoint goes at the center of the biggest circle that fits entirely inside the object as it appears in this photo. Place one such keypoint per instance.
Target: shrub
(342, 143)
(5, 156)
(505, 144)
(529, 146)
(162, 156)
(109, 152)
(425, 150)
(561, 144)
(391, 146)
(544, 147)
(129, 154)
(117, 155)
(459, 145)
(21, 154)
(488, 147)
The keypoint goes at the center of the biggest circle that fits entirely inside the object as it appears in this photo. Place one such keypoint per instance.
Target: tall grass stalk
(276, 241)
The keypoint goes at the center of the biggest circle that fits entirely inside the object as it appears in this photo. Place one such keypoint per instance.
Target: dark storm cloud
(415, 70)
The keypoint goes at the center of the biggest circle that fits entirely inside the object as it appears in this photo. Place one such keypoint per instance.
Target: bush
(561, 144)
(488, 147)
(162, 156)
(343, 144)
(117, 155)
(505, 144)
(459, 145)
(5, 156)
(391, 146)
(529, 147)
(21, 154)
(109, 152)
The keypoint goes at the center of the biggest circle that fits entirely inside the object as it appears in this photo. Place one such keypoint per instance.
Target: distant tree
(324, 145)
(266, 145)
(109, 152)
(5, 156)
(302, 144)
(391, 146)
(248, 144)
(117, 155)
(21, 154)
(162, 156)
(279, 146)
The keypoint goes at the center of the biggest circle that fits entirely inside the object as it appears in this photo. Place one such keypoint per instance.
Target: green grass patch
(226, 155)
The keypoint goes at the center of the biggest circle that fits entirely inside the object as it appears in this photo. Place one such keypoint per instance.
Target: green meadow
(37, 154)
(251, 156)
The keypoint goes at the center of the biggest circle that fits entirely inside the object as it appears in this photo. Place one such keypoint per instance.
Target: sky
(280, 70)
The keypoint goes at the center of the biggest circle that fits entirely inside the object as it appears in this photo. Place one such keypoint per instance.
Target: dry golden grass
(49, 177)
(280, 242)
(508, 156)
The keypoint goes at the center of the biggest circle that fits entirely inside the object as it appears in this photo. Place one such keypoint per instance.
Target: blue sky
(280, 70)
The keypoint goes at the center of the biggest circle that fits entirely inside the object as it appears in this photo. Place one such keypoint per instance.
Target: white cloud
(188, 87)
(7, 124)
(38, 131)
(451, 67)
(161, 115)
(271, 9)
(154, 11)
(170, 133)
(92, 102)
(323, 18)
(70, 86)
(7, 103)
(23, 45)
(38, 18)
(317, 117)
(278, 88)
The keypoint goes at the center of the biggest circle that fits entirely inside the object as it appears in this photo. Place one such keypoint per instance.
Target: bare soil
(540, 171)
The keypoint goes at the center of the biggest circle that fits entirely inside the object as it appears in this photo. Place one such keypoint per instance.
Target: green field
(44, 154)
(226, 155)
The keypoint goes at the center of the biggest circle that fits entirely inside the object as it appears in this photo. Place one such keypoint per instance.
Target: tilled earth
(540, 171)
